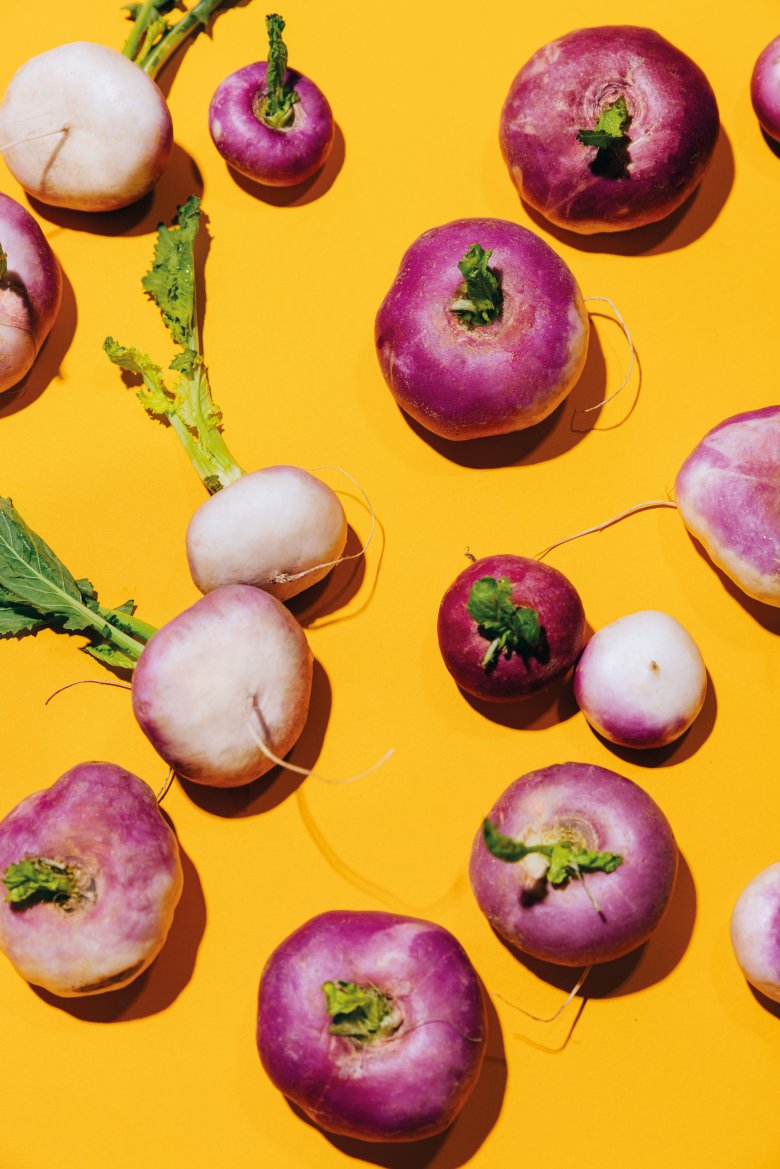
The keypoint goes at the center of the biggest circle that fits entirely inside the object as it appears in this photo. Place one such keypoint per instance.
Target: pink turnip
(754, 931)
(574, 865)
(484, 329)
(30, 291)
(373, 1024)
(608, 128)
(92, 877)
(765, 89)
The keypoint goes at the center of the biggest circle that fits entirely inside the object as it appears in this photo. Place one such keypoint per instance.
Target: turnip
(574, 865)
(222, 690)
(30, 291)
(280, 528)
(270, 123)
(86, 127)
(641, 680)
(509, 626)
(92, 876)
(484, 329)
(373, 1024)
(754, 932)
(609, 128)
(765, 89)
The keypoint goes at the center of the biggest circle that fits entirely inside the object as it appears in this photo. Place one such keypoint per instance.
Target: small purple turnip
(574, 865)
(765, 89)
(484, 329)
(270, 123)
(641, 680)
(30, 291)
(509, 626)
(609, 128)
(373, 1024)
(754, 933)
(93, 875)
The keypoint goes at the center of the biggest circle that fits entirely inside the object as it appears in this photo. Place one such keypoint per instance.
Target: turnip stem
(132, 44)
(607, 523)
(160, 53)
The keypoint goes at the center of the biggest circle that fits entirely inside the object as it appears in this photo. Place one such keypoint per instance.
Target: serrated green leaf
(170, 281)
(110, 655)
(31, 574)
(154, 397)
(17, 619)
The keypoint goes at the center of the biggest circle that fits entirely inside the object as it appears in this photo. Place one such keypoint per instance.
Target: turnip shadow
(461, 1141)
(546, 708)
(298, 195)
(159, 986)
(764, 1001)
(775, 148)
(766, 615)
(680, 229)
(49, 361)
(180, 179)
(549, 439)
(648, 964)
(336, 590)
(681, 749)
(272, 789)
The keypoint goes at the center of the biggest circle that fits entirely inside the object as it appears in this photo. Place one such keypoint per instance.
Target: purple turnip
(30, 291)
(765, 89)
(574, 865)
(509, 626)
(754, 933)
(373, 1024)
(270, 123)
(92, 876)
(484, 329)
(641, 680)
(609, 128)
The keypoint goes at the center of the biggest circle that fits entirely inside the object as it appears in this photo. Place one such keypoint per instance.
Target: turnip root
(93, 875)
(484, 329)
(765, 89)
(609, 128)
(754, 933)
(30, 291)
(270, 123)
(574, 864)
(373, 1024)
(641, 680)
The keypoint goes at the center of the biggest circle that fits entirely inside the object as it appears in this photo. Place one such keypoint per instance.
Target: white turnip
(30, 291)
(754, 933)
(765, 89)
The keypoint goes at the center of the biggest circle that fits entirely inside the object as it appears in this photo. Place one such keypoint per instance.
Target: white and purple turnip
(483, 331)
(92, 876)
(765, 89)
(574, 865)
(373, 1024)
(509, 626)
(754, 931)
(30, 291)
(609, 128)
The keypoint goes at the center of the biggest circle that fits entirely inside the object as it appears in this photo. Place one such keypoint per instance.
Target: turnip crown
(566, 860)
(479, 298)
(360, 1013)
(508, 627)
(37, 879)
(610, 130)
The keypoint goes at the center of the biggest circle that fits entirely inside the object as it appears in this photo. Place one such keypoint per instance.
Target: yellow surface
(672, 1061)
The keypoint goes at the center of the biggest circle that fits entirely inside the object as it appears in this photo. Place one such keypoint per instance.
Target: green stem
(146, 14)
(191, 23)
(111, 632)
(276, 108)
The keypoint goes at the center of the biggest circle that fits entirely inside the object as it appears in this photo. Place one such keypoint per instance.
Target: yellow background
(671, 1060)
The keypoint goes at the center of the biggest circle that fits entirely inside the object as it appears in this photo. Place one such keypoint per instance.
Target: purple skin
(565, 87)
(404, 1086)
(755, 931)
(765, 89)
(462, 382)
(276, 157)
(105, 823)
(728, 494)
(592, 808)
(536, 586)
(30, 291)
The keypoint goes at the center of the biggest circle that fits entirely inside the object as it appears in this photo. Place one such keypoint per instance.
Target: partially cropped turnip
(30, 291)
(610, 128)
(509, 626)
(641, 680)
(270, 123)
(754, 931)
(484, 329)
(373, 1024)
(765, 89)
(574, 865)
(92, 876)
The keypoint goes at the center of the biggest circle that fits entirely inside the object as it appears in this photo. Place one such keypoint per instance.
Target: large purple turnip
(574, 864)
(484, 329)
(373, 1024)
(93, 875)
(608, 128)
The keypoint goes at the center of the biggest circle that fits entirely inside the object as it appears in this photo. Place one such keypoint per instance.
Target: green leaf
(38, 879)
(509, 628)
(500, 846)
(610, 130)
(154, 398)
(566, 860)
(479, 299)
(110, 655)
(17, 619)
(361, 1013)
(276, 108)
(170, 281)
(3, 263)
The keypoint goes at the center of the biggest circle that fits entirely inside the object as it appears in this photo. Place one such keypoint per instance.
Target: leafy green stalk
(37, 591)
(609, 132)
(276, 107)
(188, 406)
(509, 628)
(154, 39)
(566, 860)
(479, 298)
(39, 879)
(361, 1013)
